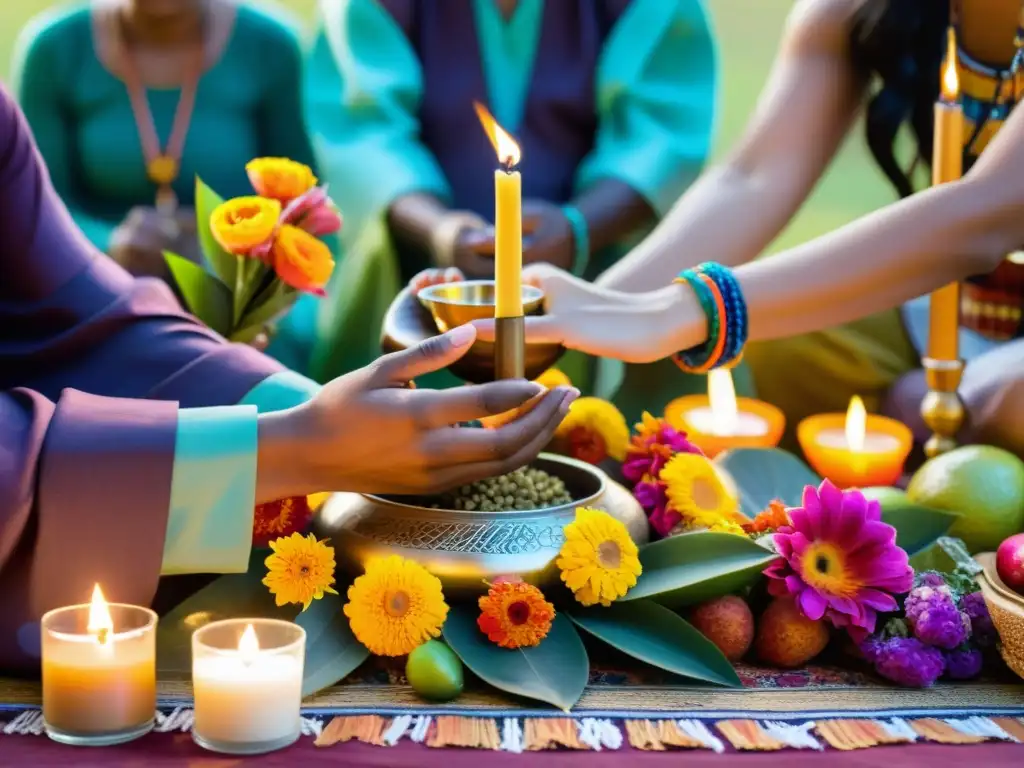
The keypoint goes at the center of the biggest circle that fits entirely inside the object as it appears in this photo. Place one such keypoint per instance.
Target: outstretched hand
(368, 432)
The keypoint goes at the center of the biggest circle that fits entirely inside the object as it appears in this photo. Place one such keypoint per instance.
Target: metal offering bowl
(412, 319)
(463, 549)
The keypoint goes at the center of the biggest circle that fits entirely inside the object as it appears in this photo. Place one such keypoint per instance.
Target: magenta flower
(654, 443)
(653, 500)
(839, 560)
(314, 212)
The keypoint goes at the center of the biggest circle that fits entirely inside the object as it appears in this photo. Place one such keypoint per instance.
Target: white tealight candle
(739, 424)
(247, 701)
(872, 442)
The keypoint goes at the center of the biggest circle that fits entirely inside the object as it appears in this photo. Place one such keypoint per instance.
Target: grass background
(749, 32)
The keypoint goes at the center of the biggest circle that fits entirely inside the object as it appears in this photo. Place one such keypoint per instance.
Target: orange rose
(280, 178)
(300, 260)
(242, 223)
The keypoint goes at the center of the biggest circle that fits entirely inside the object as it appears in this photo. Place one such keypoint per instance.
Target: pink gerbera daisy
(839, 560)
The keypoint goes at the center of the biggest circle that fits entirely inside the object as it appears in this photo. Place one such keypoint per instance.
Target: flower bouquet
(260, 251)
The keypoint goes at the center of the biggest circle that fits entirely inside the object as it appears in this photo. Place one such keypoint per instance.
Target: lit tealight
(854, 435)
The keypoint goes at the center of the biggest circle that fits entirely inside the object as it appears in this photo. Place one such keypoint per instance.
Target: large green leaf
(555, 671)
(917, 527)
(765, 474)
(693, 567)
(332, 651)
(221, 262)
(238, 595)
(206, 297)
(266, 307)
(654, 634)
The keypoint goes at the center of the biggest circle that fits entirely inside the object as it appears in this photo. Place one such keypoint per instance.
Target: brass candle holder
(942, 409)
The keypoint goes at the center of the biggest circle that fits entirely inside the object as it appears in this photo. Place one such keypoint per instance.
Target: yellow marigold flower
(301, 260)
(299, 570)
(592, 431)
(515, 615)
(280, 178)
(552, 378)
(396, 606)
(599, 561)
(695, 490)
(242, 223)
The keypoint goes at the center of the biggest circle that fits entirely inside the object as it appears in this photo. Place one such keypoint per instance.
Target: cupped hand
(474, 252)
(548, 237)
(368, 432)
(435, 276)
(633, 327)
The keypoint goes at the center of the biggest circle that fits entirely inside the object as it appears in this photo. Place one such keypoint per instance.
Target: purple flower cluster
(948, 631)
(934, 617)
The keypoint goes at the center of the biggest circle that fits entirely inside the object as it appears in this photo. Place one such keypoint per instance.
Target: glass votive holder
(247, 685)
(99, 688)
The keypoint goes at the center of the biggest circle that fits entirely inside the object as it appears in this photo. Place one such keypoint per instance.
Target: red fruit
(786, 638)
(728, 623)
(1010, 562)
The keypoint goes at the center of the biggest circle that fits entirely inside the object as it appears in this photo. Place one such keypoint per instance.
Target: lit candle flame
(950, 78)
(248, 644)
(722, 397)
(100, 624)
(856, 424)
(504, 145)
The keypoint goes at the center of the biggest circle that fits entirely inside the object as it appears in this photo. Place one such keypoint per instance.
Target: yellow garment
(819, 372)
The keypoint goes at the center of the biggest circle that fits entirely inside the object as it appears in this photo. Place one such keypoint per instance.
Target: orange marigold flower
(301, 260)
(771, 518)
(280, 518)
(514, 614)
(242, 223)
(280, 178)
(593, 430)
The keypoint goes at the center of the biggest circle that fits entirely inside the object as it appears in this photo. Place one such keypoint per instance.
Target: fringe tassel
(792, 735)
(470, 732)
(945, 732)
(27, 723)
(748, 736)
(696, 730)
(511, 736)
(600, 734)
(660, 735)
(368, 729)
(1013, 726)
(542, 733)
(847, 735)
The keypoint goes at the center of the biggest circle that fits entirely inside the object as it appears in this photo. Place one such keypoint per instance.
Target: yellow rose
(242, 223)
(280, 178)
(301, 260)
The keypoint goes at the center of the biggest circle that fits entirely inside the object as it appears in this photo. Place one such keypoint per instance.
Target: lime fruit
(983, 485)
(886, 495)
(434, 671)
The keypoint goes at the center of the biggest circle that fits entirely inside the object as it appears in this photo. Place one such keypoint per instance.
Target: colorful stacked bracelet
(723, 304)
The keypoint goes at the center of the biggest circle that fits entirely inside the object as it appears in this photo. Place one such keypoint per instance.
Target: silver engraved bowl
(465, 549)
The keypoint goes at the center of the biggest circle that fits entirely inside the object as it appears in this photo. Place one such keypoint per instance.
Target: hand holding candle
(855, 450)
(720, 421)
(99, 672)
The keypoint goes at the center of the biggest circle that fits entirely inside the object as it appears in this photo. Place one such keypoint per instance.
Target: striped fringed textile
(530, 734)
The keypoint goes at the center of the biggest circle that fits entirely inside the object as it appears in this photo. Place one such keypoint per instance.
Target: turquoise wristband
(580, 237)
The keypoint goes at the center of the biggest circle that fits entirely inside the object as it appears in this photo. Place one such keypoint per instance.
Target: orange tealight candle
(719, 420)
(856, 449)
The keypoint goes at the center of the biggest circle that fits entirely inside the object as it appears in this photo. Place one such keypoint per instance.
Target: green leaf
(238, 595)
(694, 567)
(269, 306)
(556, 671)
(917, 527)
(207, 298)
(765, 474)
(221, 262)
(332, 651)
(655, 635)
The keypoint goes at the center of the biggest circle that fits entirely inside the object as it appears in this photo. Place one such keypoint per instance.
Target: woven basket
(1007, 610)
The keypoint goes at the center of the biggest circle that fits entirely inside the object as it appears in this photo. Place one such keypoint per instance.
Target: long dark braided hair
(901, 43)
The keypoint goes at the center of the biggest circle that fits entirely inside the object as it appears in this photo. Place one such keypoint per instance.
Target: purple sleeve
(85, 478)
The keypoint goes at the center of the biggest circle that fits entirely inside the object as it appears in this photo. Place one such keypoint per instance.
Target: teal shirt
(248, 104)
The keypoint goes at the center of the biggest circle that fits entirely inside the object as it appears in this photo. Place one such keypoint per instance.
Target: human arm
(40, 69)
(735, 209)
(938, 236)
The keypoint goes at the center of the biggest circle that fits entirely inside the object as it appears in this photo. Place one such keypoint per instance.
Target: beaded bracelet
(580, 237)
(692, 360)
(722, 302)
(735, 309)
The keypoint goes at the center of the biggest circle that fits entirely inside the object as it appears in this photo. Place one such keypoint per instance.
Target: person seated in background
(612, 102)
(114, 466)
(131, 100)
